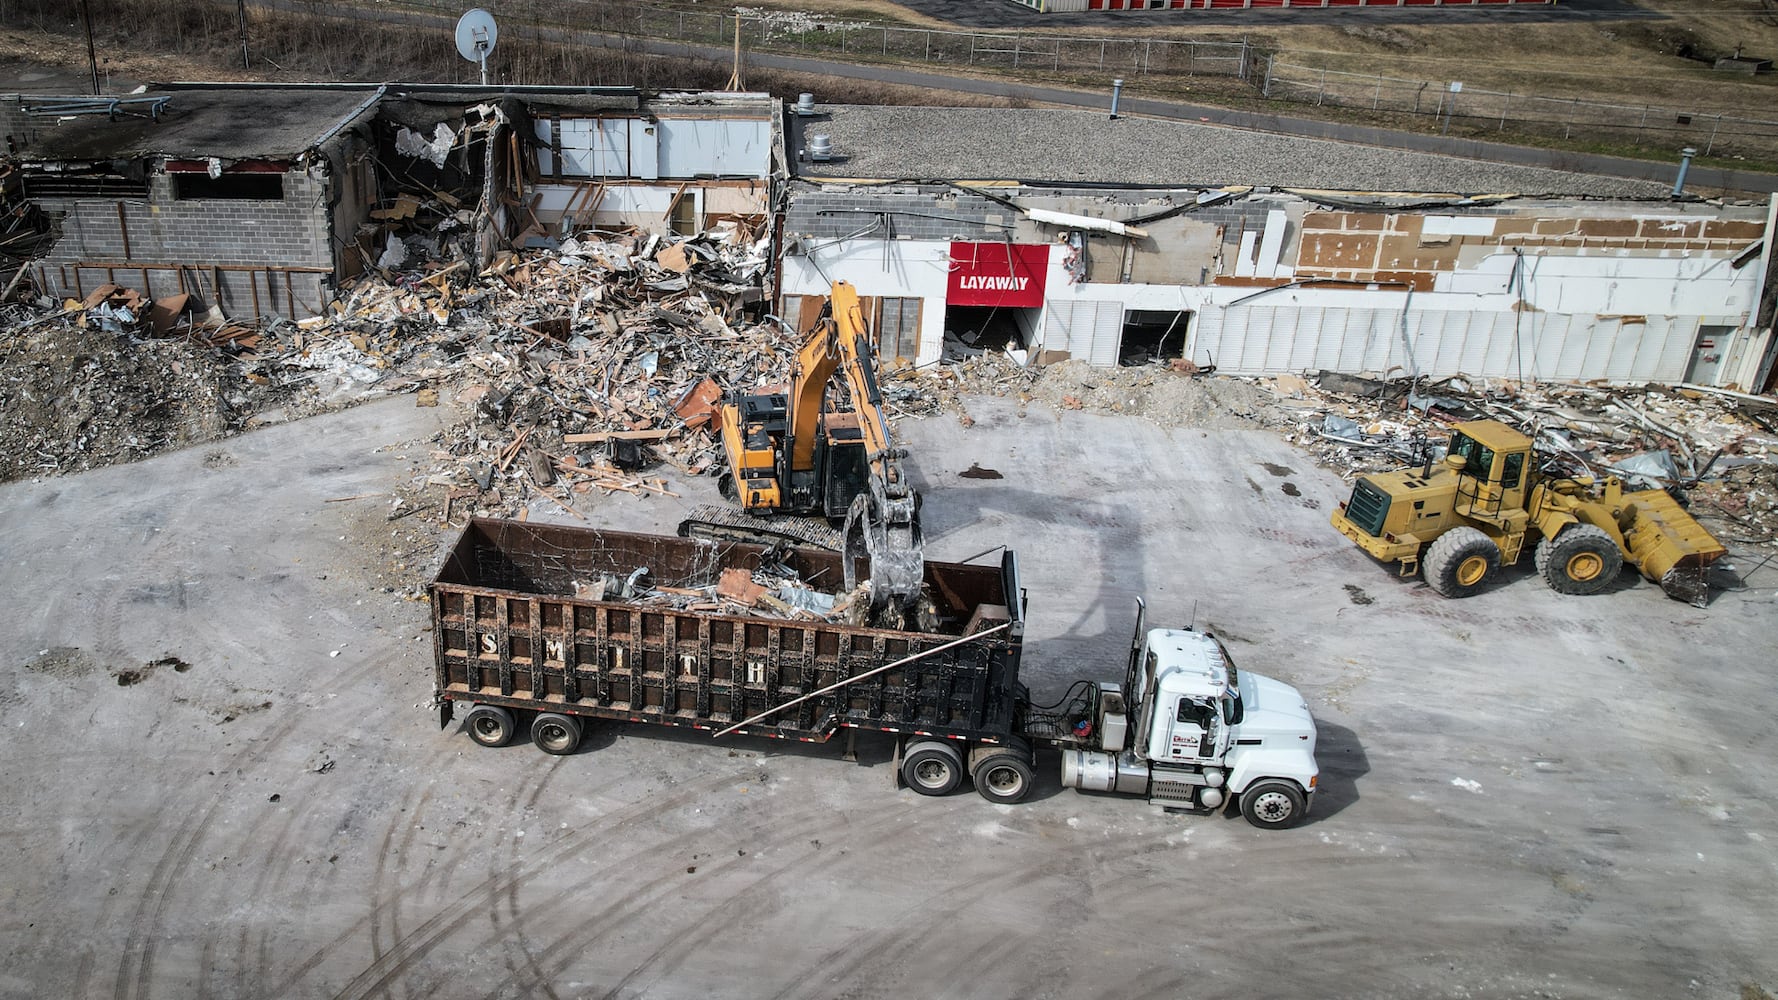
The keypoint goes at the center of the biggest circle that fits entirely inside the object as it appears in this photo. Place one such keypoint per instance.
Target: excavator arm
(785, 445)
(883, 523)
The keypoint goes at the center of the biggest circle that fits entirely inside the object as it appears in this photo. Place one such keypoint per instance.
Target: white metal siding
(1261, 339)
(714, 148)
(1091, 331)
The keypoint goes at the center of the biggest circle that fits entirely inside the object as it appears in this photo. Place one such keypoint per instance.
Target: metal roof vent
(805, 105)
(820, 148)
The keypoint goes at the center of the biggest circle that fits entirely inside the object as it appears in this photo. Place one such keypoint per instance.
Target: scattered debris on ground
(592, 365)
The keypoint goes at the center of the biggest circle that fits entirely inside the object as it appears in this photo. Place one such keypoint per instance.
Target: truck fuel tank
(1092, 771)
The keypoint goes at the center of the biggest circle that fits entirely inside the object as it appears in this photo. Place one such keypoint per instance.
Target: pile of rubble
(586, 366)
(82, 389)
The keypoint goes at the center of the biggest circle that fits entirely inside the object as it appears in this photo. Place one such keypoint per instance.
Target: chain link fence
(1448, 107)
(1473, 111)
(808, 34)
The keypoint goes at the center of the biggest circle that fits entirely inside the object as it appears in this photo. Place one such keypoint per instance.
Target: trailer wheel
(556, 734)
(1580, 560)
(932, 768)
(489, 725)
(1005, 778)
(1459, 561)
(1273, 805)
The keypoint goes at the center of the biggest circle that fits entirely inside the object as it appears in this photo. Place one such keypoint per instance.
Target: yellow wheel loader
(1457, 521)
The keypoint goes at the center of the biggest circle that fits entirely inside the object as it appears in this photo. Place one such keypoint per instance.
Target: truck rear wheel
(490, 725)
(1273, 805)
(932, 768)
(1582, 559)
(1003, 777)
(1459, 561)
(556, 734)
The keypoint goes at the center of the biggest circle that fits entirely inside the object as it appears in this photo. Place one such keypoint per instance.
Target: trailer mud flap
(445, 706)
(895, 765)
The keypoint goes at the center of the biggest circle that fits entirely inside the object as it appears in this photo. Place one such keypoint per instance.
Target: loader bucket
(1668, 546)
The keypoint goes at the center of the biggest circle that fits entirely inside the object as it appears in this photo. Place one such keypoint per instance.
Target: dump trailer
(548, 629)
(1457, 521)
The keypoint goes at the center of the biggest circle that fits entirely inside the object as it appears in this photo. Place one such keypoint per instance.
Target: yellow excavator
(821, 446)
(1457, 521)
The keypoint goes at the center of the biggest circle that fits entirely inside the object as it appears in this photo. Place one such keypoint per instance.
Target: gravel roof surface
(1059, 146)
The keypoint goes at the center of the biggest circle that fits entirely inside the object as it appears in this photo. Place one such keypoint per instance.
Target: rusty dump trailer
(517, 649)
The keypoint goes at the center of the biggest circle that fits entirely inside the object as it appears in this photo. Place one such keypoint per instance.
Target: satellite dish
(476, 35)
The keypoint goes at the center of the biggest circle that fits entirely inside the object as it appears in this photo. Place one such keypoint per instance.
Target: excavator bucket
(1668, 546)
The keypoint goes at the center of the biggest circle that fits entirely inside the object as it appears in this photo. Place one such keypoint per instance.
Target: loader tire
(1582, 559)
(1459, 561)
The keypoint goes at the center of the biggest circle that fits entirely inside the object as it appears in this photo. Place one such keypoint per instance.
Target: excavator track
(730, 525)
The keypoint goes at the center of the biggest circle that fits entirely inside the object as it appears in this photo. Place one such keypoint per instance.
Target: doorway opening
(1152, 335)
(971, 331)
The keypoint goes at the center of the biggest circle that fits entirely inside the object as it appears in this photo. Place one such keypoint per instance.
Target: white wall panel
(714, 148)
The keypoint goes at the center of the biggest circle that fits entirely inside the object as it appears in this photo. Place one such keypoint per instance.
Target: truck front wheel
(556, 734)
(1273, 805)
(1459, 561)
(1004, 778)
(932, 768)
(489, 725)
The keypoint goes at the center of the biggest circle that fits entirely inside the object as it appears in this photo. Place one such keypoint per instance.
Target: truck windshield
(1231, 695)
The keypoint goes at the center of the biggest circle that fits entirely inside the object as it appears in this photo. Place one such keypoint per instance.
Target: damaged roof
(1043, 145)
(230, 123)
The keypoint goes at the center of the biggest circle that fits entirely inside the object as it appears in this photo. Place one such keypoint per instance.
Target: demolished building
(259, 200)
(1064, 233)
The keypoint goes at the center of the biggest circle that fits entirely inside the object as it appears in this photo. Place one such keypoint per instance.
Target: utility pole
(734, 79)
(92, 55)
(241, 12)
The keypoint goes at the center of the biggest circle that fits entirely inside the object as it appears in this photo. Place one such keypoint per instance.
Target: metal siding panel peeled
(1571, 359)
(1108, 335)
(1676, 349)
(1501, 358)
(1620, 362)
(1305, 339)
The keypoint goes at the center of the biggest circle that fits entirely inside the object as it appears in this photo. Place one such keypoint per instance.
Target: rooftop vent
(805, 105)
(820, 148)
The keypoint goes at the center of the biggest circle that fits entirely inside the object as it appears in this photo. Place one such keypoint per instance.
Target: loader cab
(1491, 462)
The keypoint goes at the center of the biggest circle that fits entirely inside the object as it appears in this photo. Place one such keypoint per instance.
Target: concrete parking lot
(224, 778)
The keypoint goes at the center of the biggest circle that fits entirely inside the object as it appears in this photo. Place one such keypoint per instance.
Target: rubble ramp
(730, 525)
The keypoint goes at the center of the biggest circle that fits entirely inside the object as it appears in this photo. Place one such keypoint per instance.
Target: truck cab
(1200, 733)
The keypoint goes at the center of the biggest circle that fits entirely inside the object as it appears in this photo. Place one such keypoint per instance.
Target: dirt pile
(79, 396)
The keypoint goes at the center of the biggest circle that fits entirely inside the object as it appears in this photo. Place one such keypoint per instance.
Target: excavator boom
(795, 449)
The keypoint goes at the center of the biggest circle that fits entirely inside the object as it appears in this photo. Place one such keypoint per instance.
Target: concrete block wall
(195, 236)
